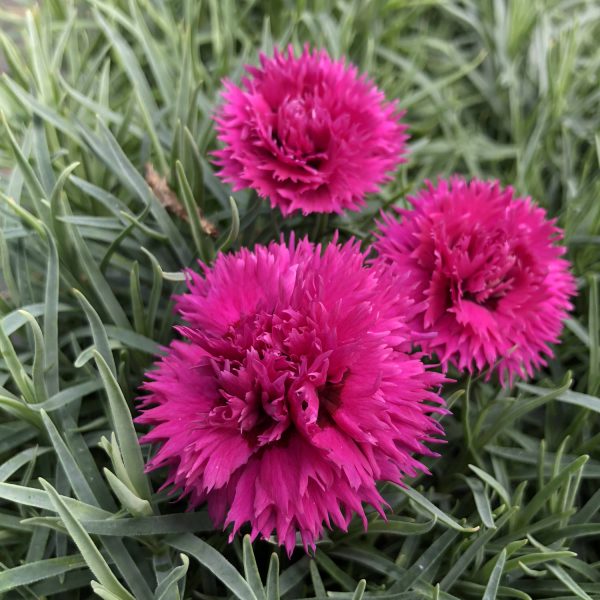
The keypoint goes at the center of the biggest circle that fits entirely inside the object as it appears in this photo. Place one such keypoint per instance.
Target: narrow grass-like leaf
(42, 110)
(136, 299)
(192, 211)
(15, 434)
(41, 157)
(146, 103)
(39, 360)
(61, 241)
(123, 426)
(594, 330)
(543, 495)
(568, 581)
(360, 590)
(334, 571)
(20, 377)
(394, 526)
(532, 572)
(51, 304)
(108, 200)
(137, 222)
(14, 463)
(425, 562)
(27, 217)
(150, 526)
(197, 170)
(76, 478)
(462, 563)
(588, 510)
(568, 396)
(61, 180)
(167, 588)
(482, 502)
(13, 57)
(273, 592)
(534, 558)
(493, 483)
(162, 74)
(39, 64)
(19, 409)
(215, 562)
(114, 156)
(88, 353)
(129, 501)
(7, 272)
(99, 284)
(251, 572)
(431, 508)
(317, 582)
(491, 589)
(32, 182)
(572, 532)
(519, 409)
(133, 340)
(512, 548)
(182, 98)
(89, 552)
(38, 571)
(68, 395)
(234, 229)
(98, 331)
(154, 299)
(114, 453)
(371, 559)
(102, 592)
(590, 470)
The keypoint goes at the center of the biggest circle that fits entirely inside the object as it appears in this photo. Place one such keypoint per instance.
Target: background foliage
(97, 90)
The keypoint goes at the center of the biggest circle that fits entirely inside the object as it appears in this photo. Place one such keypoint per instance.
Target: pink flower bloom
(487, 271)
(291, 394)
(308, 133)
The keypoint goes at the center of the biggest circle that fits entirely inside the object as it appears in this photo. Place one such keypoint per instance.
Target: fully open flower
(488, 272)
(308, 133)
(291, 394)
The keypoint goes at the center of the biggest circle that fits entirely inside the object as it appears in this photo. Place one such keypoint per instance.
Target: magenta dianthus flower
(292, 394)
(308, 133)
(487, 272)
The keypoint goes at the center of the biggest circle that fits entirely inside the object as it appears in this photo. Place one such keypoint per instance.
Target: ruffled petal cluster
(290, 393)
(487, 271)
(308, 133)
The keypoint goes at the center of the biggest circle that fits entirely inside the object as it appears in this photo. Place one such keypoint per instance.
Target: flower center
(302, 128)
(273, 377)
(482, 268)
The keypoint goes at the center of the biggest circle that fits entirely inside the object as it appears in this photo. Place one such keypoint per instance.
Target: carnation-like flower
(487, 271)
(308, 133)
(290, 394)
